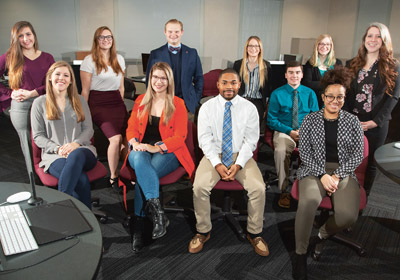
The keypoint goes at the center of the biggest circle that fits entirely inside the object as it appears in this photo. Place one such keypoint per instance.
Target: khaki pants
(251, 179)
(284, 146)
(346, 202)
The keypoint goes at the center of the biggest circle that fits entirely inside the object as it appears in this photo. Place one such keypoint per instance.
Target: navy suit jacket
(191, 73)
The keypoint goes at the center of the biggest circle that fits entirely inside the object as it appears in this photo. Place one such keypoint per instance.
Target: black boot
(317, 250)
(137, 238)
(299, 271)
(157, 216)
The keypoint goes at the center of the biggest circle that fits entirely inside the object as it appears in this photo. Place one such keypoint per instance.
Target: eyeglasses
(324, 45)
(253, 46)
(162, 79)
(108, 37)
(331, 98)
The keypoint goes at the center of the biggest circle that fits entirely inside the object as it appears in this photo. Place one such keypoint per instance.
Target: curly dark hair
(339, 75)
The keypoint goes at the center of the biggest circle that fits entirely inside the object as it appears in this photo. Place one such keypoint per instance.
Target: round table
(76, 258)
(387, 159)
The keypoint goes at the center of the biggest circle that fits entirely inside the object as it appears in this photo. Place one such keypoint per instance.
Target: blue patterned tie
(227, 157)
(295, 112)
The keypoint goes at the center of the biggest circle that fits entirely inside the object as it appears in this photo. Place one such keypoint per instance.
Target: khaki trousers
(346, 202)
(251, 179)
(284, 146)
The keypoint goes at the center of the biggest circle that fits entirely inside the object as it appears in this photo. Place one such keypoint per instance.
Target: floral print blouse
(365, 87)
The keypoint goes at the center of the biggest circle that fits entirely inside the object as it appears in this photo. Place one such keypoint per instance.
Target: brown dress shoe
(260, 246)
(284, 200)
(197, 242)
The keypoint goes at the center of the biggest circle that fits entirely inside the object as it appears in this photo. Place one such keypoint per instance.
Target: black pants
(376, 138)
(260, 109)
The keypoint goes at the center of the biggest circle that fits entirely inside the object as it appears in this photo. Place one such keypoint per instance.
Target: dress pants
(284, 146)
(345, 201)
(21, 120)
(252, 181)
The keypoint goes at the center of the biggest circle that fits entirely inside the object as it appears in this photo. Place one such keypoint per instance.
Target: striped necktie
(227, 157)
(295, 112)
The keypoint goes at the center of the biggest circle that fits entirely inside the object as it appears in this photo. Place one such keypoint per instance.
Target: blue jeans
(148, 169)
(71, 174)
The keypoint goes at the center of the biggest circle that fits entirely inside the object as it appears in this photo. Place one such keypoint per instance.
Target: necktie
(174, 50)
(227, 157)
(295, 112)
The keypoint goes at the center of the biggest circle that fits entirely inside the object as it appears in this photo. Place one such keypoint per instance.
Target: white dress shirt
(245, 128)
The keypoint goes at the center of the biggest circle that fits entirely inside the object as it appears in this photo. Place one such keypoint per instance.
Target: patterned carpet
(224, 256)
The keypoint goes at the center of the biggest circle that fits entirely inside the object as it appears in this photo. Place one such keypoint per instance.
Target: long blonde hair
(169, 107)
(15, 56)
(97, 57)
(52, 111)
(330, 58)
(262, 69)
(386, 63)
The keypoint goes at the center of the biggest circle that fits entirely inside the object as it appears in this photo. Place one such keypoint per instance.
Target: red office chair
(326, 206)
(127, 174)
(98, 172)
(210, 80)
(226, 210)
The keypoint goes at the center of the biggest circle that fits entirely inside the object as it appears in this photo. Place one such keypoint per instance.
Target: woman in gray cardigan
(331, 148)
(62, 128)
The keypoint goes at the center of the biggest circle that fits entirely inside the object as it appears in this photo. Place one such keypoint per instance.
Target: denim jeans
(71, 174)
(148, 169)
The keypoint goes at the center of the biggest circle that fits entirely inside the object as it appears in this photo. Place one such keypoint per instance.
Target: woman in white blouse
(103, 87)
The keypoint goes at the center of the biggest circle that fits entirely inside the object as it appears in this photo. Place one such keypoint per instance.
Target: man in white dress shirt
(243, 138)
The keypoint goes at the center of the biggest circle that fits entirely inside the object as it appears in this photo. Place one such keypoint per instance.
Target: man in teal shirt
(288, 106)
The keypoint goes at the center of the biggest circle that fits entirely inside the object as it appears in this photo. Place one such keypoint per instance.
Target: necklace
(331, 120)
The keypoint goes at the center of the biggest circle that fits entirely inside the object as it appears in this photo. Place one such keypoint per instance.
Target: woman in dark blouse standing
(375, 89)
(331, 148)
(322, 59)
(253, 71)
(27, 67)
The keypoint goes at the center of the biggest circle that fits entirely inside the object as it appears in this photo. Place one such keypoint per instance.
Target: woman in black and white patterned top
(375, 89)
(331, 148)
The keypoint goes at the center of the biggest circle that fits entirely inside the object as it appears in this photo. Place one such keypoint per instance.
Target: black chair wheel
(315, 256)
(362, 252)
(103, 219)
(127, 222)
(242, 237)
(95, 203)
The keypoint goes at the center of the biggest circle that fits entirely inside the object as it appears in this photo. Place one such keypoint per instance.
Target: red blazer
(173, 134)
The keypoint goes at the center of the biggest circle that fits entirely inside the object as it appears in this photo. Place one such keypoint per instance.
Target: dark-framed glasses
(162, 79)
(253, 46)
(108, 37)
(331, 98)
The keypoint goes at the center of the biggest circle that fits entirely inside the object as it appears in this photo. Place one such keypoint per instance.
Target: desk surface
(76, 258)
(387, 159)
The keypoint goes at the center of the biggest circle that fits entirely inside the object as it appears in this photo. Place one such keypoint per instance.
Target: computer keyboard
(15, 235)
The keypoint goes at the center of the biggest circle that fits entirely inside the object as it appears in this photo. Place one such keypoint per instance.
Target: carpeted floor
(224, 256)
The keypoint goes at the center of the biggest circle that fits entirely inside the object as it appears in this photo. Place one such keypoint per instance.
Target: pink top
(33, 76)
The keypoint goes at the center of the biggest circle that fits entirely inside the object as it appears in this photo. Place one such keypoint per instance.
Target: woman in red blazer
(156, 132)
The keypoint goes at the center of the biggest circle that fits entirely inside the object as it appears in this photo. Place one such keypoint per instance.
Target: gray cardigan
(48, 134)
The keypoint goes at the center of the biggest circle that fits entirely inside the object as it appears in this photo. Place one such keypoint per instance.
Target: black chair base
(229, 215)
(103, 217)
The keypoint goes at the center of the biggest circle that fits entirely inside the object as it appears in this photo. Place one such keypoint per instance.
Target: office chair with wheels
(98, 172)
(326, 205)
(127, 174)
(226, 210)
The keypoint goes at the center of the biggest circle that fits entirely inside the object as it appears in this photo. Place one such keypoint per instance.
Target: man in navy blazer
(185, 64)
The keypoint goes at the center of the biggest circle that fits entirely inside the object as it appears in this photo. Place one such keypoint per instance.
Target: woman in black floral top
(375, 89)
